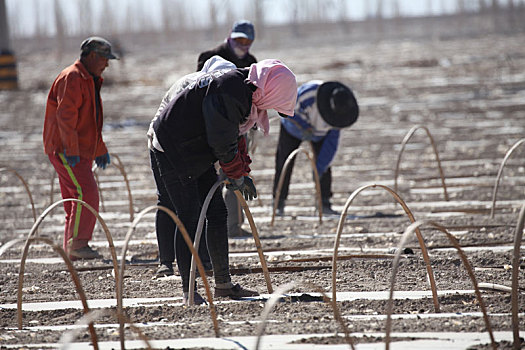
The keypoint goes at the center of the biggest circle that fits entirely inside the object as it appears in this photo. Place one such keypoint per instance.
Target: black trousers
(286, 145)
(185, 201)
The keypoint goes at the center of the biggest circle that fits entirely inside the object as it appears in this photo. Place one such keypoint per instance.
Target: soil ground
(469, 92)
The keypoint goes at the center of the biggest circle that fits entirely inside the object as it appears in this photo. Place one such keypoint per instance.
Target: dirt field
(469, 92)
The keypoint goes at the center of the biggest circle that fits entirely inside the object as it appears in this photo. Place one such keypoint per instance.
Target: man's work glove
(71, 160)
(245, 185)
(103, 161)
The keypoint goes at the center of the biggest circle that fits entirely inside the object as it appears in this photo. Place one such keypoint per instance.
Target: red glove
(243, 150)
(240, 164)
(235, 168)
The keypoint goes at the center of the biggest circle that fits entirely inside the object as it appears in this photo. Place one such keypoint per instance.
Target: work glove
(245, 185)
(72, 160)
(103, 161)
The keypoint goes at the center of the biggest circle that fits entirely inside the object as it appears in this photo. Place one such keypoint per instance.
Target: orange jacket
(71, 123)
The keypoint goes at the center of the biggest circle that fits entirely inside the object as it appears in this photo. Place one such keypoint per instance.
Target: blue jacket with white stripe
(308, 125)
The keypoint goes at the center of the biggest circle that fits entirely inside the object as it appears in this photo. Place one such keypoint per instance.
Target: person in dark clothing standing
(235, 49)
(202, 125)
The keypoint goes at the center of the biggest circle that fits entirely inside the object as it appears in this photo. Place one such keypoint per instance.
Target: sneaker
(164, 270)
(84, 253)
(236, 292)
(240, 232)
(197, 299)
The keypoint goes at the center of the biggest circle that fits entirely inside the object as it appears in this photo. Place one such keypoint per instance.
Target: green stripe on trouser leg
(79, 190)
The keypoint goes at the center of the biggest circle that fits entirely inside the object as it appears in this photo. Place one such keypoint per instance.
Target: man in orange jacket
(73, 139)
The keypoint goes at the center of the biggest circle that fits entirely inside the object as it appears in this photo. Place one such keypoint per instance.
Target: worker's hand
(71, 160)
(245, 185)
(103, 161)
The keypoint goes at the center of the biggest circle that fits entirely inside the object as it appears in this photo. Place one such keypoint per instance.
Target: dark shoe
(84, 253)
(235, 292)
(327, 210)
(197, 299)
(239, 233)
(165, 270)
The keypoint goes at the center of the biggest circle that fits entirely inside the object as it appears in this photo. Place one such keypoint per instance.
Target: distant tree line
(112, 17)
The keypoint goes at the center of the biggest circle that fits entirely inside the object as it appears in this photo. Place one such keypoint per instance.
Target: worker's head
(241, 37)
(276, 89)
(95, 53)
(337, 104)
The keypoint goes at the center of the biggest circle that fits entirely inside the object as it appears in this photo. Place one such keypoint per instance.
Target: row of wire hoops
(90, 317)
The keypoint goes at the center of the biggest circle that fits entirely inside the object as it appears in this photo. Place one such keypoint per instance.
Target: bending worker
(164, 225)
(321, 111)
(202, 125)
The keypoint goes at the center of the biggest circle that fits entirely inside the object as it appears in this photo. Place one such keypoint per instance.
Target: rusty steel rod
(420, 239)
(7, 245)
(268, 306)
(194, 253)
(500, 171)
(255, 235)
(410, 229)
(94, 315)
(72, 272)
(198, 234)
(335, 309)
(281, 181)
(256, 240)
(100, 220)
(515, 273)
(13, 171)
(124, 174)
(403, 144)
(99, 189)
(120, 167)
(274, 298)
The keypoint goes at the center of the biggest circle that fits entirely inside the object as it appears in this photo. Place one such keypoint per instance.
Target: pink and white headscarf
(276, 89)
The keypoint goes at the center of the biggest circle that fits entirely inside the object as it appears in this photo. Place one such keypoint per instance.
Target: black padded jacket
(225, 52)
(201, 124)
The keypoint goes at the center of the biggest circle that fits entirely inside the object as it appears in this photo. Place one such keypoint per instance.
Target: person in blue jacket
(321, 111)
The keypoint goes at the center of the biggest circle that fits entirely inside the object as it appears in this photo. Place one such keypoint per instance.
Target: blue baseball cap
(243, 29)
